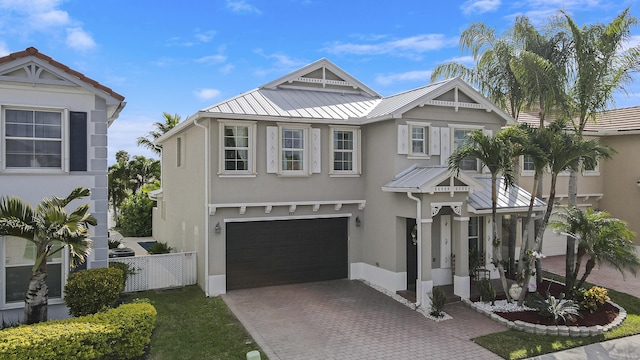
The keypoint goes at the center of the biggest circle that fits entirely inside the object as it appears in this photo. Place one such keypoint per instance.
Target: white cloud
(206, 94)
(417, 75)
(281, 63)
(409, 46)
(480, 6)
(123, 134)
(242, 6)
(205, 36)
(227, 68)
(78, 39)
(212, 59)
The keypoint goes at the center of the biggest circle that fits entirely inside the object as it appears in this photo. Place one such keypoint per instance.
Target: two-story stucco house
(53, 138)
(316, 176)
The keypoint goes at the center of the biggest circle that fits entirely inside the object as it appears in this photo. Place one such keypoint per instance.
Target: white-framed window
(527, 165)
(591, 170)
(418, 139)
(294, 149)
(19, 257)
(237, 148)
(345, 150)
(460, 139)
(33, 138)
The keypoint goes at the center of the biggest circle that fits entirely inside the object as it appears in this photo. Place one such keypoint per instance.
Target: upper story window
(345, 150)
(238, 146)
(293, 150)
(593, 170)
(33, 139)
(528, 166)
(460, 139)
(419, 139)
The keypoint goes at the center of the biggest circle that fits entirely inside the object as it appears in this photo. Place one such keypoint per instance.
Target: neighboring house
(316, 176)
(53, 133)
(613, 185)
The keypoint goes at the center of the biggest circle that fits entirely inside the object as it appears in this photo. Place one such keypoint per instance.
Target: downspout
(419, 244)
(206, 205)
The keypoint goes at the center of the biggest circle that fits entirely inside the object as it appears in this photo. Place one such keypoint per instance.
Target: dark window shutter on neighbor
(78, 141)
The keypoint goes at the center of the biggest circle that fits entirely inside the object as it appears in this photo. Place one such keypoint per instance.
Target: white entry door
(445, 241)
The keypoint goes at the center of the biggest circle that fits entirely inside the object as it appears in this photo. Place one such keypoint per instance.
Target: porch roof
(430, 180)
(513, 199)
(421, 179)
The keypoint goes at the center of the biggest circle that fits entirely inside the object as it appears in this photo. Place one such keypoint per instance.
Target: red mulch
(605, 315)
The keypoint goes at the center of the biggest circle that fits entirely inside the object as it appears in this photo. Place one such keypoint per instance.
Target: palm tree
(600, 238)
(565, 151)
(492, 73)
(161, 128)
(119, 184)
(496, 153)
(48, 227)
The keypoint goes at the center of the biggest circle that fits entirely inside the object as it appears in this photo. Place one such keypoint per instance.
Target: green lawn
(192, 326)
(514, 344)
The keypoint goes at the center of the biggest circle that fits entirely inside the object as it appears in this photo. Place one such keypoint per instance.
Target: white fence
(160, 271)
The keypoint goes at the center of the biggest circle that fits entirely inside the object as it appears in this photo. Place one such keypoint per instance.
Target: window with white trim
(419, 139)
(237, 148)
(345, 150)
(294, 150)
(33, 139)
(528, 166)
(459, 140)
(475, 236)
(20, 255)
(593, 170)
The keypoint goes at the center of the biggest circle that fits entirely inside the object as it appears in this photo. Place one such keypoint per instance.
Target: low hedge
(120, 333)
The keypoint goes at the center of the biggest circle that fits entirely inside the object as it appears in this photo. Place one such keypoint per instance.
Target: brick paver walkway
(605, 275)
(345, 319)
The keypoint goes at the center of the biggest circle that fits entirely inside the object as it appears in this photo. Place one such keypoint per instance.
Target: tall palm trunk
(36, 299)
(539, 235)
(497, 245)
(571, 242)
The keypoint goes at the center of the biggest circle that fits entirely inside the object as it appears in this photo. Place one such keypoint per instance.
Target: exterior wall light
(358, 222)
(217, 229)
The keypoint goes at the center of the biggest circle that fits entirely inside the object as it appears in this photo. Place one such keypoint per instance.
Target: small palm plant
(47, 226)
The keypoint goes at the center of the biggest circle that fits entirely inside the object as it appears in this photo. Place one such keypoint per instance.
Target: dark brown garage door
(266, 253)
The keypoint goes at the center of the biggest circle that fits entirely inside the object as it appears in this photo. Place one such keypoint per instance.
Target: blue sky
(179, 57)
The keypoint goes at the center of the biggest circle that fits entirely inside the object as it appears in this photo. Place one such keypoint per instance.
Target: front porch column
(425, 287)
(461, 279)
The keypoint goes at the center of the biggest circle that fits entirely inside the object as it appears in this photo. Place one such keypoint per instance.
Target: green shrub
(127, 269)
(593, 298)
(120, 333)
(93, 290)
(438, 300)
(136, 215)
(159, 248)
(487, 292)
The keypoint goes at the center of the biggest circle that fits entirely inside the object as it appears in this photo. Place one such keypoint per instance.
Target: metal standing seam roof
(513, 197)
(296, 103)
(392, 103)
(415, 177)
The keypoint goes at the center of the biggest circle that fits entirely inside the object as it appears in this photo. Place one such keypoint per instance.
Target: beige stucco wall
(622, 193)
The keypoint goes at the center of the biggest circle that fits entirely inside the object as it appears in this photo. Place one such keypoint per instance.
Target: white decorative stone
(563, 330)
(519, 324)
(574, 331)
(515, 290)
(541, 330)
(529, 328)
(584, 331)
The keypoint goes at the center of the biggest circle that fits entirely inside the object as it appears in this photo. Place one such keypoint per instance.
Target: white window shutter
(487, 132)
(435, 140)
(315, 151)
(403, 139)
(445, 146)
(272, 149)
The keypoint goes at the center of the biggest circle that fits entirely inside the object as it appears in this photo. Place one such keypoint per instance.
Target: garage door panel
(266, 253)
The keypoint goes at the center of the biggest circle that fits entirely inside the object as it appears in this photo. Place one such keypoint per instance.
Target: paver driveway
(344, 319)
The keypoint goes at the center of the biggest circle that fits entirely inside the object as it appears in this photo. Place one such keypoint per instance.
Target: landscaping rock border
(560, 330)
